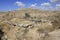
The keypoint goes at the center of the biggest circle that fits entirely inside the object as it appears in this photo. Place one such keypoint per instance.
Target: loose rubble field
(30, 24)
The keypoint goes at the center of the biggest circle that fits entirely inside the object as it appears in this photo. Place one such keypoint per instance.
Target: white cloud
(55, 0)
(21, 4)
(57, 6)
(45, 4)
(33, 5)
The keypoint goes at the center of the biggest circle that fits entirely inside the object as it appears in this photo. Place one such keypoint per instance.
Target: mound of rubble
(24, 27)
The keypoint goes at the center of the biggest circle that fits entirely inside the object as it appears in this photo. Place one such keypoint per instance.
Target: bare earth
(30, 24)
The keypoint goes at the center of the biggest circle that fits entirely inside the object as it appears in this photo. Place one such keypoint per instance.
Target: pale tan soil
(41, 25)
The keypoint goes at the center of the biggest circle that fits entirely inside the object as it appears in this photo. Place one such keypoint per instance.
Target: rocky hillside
(30, 24)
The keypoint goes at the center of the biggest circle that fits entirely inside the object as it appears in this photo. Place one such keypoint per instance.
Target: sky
(8, 5)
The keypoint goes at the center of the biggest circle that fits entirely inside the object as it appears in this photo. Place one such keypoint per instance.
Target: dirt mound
(30, 24)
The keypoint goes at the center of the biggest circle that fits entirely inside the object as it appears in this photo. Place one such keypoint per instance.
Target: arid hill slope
(30, 24)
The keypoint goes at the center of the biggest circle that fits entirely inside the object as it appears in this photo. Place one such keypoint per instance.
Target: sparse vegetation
(32, 24)
(40, 30)
(27, 15)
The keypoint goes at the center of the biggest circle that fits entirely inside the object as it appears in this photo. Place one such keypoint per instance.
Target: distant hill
(30, 24)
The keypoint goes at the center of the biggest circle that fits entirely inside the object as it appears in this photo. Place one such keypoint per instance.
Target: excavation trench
(1, 34)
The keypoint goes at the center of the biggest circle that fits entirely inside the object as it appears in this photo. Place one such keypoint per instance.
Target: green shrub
(27, 15)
